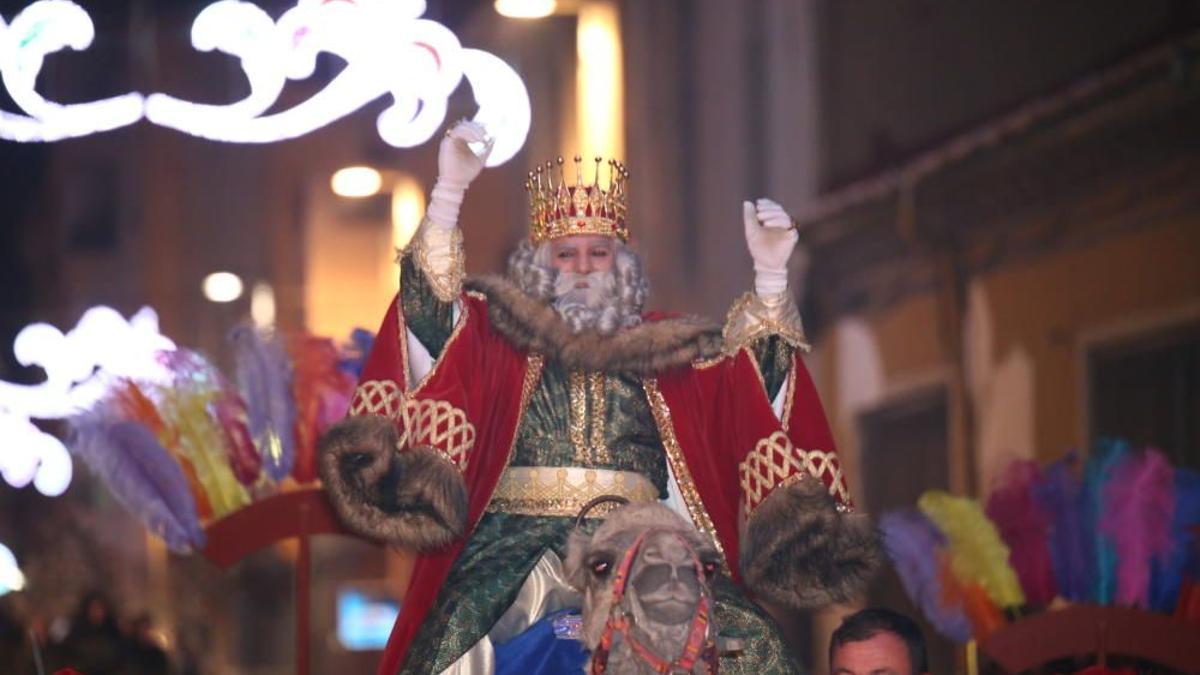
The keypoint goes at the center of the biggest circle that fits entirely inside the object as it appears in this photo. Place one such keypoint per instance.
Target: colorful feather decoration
(322, 392)
(264, 376)
(141, 474)
(912, 543)
(1168, 571)
(1096, 474)
(979, 556)
(1139, 500)
(1060, 494)
(1025, 528)
(185, 410)
(230, 414)
(354, 355)
(129, 402)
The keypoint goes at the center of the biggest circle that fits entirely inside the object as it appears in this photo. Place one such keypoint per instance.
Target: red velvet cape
(711, 416)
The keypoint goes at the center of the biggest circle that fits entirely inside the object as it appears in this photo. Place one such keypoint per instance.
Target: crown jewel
(559, 210)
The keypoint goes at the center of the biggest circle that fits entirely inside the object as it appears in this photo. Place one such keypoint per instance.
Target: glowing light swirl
(80, 367)
(43, 28)
(387, 49)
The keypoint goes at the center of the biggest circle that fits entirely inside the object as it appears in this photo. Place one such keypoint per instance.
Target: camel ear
(573, 567)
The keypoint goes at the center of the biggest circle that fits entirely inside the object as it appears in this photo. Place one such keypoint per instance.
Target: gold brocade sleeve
(754, 317)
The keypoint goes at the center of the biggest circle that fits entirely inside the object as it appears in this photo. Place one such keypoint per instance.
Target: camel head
(669, 564)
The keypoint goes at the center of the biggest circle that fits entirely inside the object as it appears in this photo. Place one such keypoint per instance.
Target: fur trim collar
(644, 350)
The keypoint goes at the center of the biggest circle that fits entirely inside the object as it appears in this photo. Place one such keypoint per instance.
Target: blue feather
(1061, 496)
(142, 475)
(1167, 576)
(264, 376)
(1096, 475)
(912, 542)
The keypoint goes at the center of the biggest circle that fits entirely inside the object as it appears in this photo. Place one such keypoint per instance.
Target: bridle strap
(697, 646)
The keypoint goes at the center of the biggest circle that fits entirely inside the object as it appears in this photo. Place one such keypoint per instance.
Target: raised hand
(462, 154)
(771, 237)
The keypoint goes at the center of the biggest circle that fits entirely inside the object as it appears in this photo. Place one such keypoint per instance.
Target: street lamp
(408, 196)
(525, 9)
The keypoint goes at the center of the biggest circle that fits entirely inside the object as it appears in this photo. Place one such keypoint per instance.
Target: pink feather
(1139, 501)
(1025, 527)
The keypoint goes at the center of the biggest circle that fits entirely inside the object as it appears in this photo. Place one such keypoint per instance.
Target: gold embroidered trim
(428, 422)
(377, 397)
(687, 487)
(599, 450)
(705, 364)
(754, 317)
(533, 374)
(775, 460)
(586, 393)
(440, 425)
(565, 490)
(438, 253)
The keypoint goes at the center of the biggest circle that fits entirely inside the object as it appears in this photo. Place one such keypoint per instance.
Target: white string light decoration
(43, 28)
(386, 46)
(81, 367)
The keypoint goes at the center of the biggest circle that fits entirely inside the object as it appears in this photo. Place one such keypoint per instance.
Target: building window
(1147, 390)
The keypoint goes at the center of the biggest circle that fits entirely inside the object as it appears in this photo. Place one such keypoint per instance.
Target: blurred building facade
(1013, 294)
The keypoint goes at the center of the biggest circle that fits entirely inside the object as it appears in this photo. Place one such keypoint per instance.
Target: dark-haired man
(877, 641)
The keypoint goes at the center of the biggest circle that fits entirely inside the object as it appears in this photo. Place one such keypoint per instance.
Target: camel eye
(601, 567)
(710, 569)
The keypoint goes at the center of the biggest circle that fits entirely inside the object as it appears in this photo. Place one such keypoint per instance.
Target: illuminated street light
(525, 9)
(356, 182)
(223, 287)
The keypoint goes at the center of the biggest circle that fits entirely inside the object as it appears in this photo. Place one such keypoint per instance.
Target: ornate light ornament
(386, 46)
(81, 365)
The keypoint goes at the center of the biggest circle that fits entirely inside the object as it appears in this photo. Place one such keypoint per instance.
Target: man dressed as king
(492, 409)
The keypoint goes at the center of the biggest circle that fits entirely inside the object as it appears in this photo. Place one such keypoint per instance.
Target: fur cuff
(412, 499)
(800, 552)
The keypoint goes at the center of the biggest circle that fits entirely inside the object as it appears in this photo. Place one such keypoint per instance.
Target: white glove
(771, 236)
(458, 165)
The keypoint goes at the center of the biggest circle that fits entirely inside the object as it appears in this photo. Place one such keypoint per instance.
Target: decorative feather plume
(354, 355)
(322, 393)
(979, 556)
(912, 542)
(1168, 571)
(1060, 494)
(185, 410)
(129, 402)
(230, 413)
(264, 376)
(1139, 501)
(1025, 528)
(141, 474)
(1096, 474)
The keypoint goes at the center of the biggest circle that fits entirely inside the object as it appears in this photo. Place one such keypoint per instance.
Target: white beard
(595, 307)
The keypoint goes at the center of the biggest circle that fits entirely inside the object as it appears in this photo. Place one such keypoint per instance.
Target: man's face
(883, 653)
(582, 254)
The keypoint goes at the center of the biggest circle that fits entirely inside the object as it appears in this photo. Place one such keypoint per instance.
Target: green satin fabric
(631, 441)
(500, 554)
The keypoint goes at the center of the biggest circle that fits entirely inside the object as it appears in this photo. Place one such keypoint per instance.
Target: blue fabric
(538, 651)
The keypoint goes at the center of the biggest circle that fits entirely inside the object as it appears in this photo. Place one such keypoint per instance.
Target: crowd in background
(96, 640)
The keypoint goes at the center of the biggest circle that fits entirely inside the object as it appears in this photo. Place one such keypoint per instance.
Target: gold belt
(564, 490)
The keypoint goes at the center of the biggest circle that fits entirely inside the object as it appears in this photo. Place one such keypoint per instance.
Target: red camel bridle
(699, 649)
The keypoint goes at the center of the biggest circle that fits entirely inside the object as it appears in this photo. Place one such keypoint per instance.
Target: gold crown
(560, 210)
